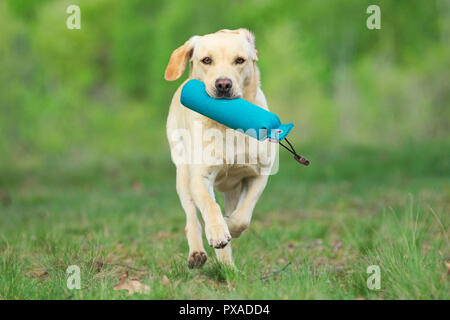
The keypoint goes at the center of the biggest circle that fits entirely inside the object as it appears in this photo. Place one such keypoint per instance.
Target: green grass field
(314, 232)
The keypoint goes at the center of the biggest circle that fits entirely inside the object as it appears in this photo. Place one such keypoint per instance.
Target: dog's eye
(239, 60)
(206, 60)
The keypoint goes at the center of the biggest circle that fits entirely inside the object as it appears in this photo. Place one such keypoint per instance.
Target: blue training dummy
(238, 114)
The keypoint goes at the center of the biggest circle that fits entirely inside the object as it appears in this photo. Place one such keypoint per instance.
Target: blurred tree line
(100, 90)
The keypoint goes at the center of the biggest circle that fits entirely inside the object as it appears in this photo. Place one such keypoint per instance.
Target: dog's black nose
(223, 86)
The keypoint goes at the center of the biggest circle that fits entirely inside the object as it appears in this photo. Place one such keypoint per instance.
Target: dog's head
(224, 61)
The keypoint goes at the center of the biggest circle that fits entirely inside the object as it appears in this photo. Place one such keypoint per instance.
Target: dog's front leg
(197, 254)
(240, 218)
(231, 201)
(202, 184)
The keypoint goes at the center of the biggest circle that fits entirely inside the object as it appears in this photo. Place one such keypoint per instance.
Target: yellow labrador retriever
(226, 62)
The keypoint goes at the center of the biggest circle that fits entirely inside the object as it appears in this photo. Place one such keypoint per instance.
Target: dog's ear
(251, 39)
(179, 59)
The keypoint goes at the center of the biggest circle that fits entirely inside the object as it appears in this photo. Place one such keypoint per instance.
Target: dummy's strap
(297, 157)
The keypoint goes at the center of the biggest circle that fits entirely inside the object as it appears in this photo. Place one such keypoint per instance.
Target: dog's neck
(252, 85)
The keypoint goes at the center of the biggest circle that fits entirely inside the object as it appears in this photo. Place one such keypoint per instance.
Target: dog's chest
(228, 145)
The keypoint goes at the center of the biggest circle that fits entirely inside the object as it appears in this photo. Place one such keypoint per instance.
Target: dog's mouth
(213, 93)
(223, 95)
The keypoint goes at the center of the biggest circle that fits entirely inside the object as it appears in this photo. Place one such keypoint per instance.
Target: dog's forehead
(222, 41)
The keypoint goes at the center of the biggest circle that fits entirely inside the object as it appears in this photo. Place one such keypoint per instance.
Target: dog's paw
(218, 235)
(196, 259)
(236, 226)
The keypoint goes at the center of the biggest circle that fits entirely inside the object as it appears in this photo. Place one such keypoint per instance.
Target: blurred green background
(85, 170)
(99, 92)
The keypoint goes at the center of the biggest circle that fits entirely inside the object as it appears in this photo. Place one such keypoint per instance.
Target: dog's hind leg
(197, 254)
(231, 201)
